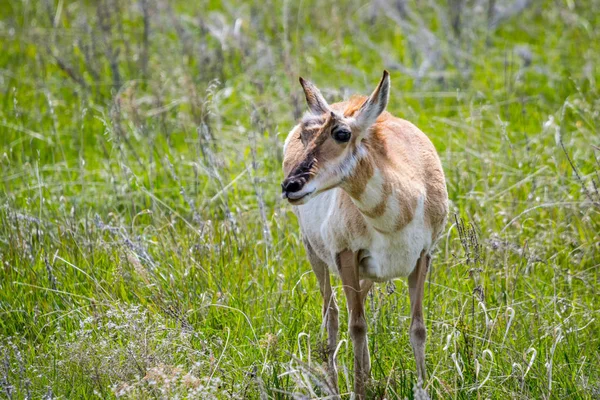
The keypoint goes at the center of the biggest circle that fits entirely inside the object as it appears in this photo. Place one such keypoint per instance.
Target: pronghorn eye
(341, 135)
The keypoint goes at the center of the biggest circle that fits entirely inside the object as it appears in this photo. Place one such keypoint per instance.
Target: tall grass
(145, 251)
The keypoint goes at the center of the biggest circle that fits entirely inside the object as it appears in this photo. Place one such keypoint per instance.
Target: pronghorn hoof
(419, 392)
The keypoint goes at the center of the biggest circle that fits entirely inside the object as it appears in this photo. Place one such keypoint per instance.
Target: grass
(144, 249)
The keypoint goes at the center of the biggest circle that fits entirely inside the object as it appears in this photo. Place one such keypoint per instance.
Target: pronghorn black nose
(291, 185)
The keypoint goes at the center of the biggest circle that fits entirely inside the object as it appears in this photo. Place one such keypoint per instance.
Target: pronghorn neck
(377, 194)
(368, 184)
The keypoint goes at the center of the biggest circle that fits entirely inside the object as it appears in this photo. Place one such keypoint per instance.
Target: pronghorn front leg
(418, 333)
(365, 286)
(330, 311)
(347, 264)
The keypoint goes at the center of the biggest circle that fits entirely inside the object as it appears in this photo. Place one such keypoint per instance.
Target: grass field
(145, 251)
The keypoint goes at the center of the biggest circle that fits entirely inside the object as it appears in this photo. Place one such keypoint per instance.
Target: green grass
(145, 251)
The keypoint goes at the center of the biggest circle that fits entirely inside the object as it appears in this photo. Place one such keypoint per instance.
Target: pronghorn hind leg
(347, 264)
(418, 333)
(329, 314)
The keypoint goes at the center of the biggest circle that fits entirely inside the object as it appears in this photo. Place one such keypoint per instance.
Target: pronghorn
(370, 196)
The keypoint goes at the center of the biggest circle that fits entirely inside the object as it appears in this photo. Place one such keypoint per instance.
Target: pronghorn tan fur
(370, 195)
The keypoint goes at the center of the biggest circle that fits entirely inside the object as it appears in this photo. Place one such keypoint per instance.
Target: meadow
(145, 251)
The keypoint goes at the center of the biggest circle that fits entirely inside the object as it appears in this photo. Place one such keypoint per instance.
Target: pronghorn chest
(384, 254)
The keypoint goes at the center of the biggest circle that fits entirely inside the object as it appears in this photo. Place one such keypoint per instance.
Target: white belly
(383, 256)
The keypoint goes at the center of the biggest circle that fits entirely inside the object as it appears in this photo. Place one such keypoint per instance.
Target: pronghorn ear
(316, 102)
(375, 104)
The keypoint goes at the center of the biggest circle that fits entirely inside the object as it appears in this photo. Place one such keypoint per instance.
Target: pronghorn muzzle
(292, 186)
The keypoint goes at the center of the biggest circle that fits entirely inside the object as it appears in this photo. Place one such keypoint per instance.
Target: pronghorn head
(331, 142)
